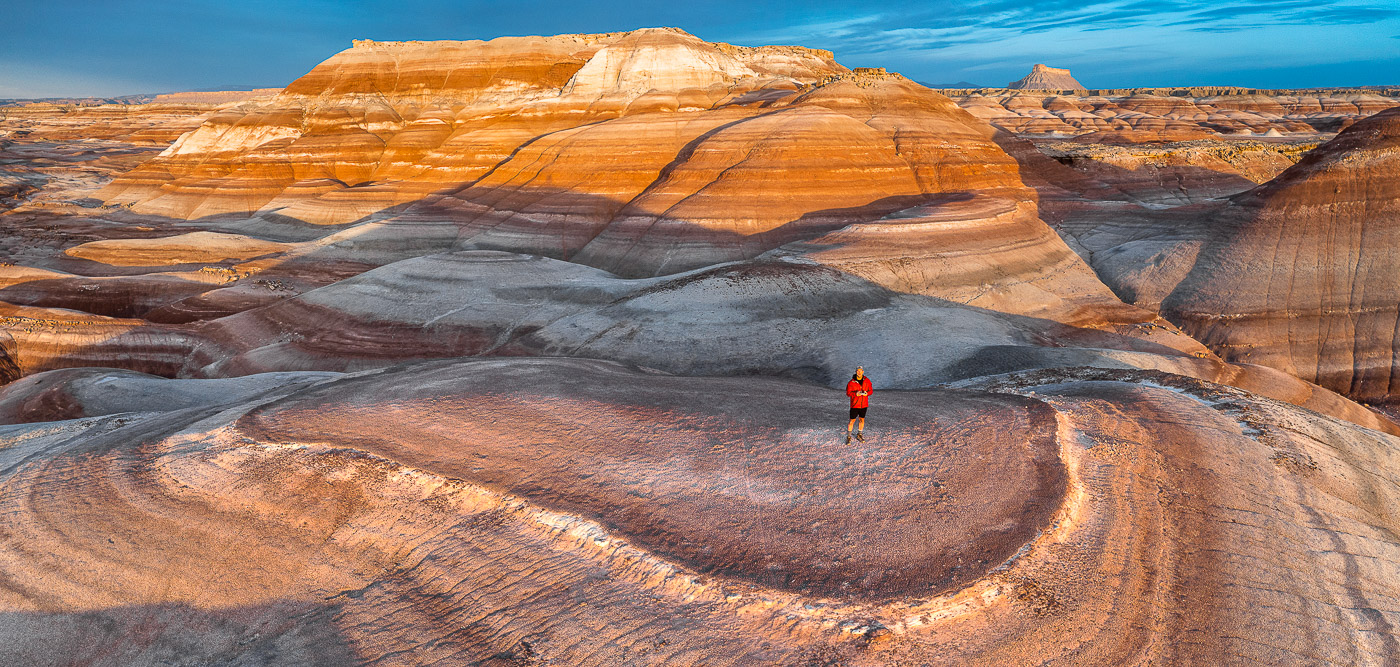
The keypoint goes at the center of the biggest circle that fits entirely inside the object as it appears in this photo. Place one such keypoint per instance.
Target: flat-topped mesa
(418, 115)
(1043, 77)
(518, 69)
(215, 97)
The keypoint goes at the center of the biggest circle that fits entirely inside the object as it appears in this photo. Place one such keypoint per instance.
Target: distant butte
(1044, 77)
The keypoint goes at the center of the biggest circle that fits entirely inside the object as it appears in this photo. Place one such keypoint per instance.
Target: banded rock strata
(1120, 521)
(1304, 272)
(641, 153)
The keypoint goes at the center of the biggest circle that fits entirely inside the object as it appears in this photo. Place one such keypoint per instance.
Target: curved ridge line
(651, 570)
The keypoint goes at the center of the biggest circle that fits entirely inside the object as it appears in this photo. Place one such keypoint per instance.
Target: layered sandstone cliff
(383, 124)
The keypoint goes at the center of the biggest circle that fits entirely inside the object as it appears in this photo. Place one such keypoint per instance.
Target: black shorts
(858, 412)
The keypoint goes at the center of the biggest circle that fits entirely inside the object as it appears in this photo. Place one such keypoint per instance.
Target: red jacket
(864, 385)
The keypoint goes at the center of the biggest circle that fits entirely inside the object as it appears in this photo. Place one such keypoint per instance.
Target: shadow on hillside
(282, 632)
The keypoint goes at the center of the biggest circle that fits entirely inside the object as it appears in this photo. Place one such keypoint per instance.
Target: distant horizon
(931, 84)
(86, 48)
(935, 85)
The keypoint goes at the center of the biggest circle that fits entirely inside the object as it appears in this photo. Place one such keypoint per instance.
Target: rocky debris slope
(1177, 173)
(1044, 77)
(1303, 272)
(509, 511)
(1166, 115)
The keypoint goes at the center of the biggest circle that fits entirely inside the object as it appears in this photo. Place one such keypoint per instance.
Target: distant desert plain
(533, 351)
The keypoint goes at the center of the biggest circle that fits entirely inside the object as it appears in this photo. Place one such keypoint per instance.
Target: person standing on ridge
(859, 390)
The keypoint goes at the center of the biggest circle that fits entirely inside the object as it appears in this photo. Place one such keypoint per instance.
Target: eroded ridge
(746, 478)
(272, 529)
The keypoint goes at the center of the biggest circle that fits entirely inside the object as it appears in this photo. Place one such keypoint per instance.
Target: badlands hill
(530, 351)
(642, 154)
(1304, 274)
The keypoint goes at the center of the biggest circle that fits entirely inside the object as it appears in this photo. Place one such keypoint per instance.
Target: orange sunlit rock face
(641, 153)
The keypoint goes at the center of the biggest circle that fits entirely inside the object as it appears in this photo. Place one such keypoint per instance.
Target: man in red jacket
(859, 389)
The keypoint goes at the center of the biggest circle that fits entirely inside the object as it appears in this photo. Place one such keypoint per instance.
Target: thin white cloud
(1127, 42)
(807, 33)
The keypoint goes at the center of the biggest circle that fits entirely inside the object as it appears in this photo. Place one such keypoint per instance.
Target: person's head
(860, 371)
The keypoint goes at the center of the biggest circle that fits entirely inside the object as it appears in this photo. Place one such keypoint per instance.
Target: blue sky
(117, 47)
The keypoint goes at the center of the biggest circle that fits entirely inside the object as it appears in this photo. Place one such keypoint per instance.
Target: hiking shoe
(860, 437)
(848, 438)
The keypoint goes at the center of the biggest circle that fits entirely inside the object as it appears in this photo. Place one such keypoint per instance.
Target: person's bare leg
(862, 424)
(852, 425)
